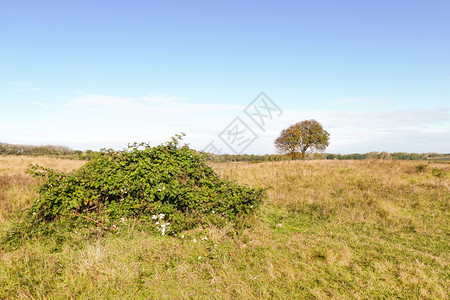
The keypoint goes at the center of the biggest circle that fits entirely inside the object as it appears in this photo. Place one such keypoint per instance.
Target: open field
(330, 229)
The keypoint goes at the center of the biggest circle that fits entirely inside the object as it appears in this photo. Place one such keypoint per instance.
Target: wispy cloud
(20, 83)
(29, 89)
(96, 121)
(113, 102)
(155, 107)
(410, 130)
(369, 102)
(41, 104)
(24, 86)
(111, 121)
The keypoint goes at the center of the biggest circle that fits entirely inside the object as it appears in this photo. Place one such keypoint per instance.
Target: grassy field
(330, 229)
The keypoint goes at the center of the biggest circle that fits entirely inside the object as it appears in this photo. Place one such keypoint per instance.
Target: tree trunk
(292, 154)
(304, 151)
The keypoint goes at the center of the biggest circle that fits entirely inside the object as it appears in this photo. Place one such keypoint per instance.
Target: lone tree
(300, 137)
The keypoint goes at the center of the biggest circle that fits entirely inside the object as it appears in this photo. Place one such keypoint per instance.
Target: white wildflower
(161, 225)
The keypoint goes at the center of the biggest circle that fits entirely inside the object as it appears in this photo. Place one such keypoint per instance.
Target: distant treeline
(45, 150)
(66, 152)
(355, 156)
(395, 155)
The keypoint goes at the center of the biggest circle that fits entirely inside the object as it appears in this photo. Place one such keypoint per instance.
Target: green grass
(330, 229)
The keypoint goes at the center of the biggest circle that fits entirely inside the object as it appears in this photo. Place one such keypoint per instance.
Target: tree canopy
(301, 137)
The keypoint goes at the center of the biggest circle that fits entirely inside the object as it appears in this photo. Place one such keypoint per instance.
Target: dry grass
(17, 188)
(330, 229)
(19, 164)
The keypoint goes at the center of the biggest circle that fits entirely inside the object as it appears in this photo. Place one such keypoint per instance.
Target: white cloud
(29, 89)
(155, 107)
(96, 121)
(24, 86)
(110, 121)
(368, 102)
(18, 83)
(424, 130)
(39, 103)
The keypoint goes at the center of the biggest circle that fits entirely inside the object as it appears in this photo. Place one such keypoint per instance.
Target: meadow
(329, 229)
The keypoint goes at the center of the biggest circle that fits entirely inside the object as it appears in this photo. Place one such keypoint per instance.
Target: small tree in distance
(301, 137)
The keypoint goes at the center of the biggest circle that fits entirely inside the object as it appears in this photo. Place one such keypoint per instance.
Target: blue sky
(93, 74)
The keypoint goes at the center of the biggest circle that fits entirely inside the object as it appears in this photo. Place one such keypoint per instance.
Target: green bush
(169, 187)
(436, 172)
(421, 168)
